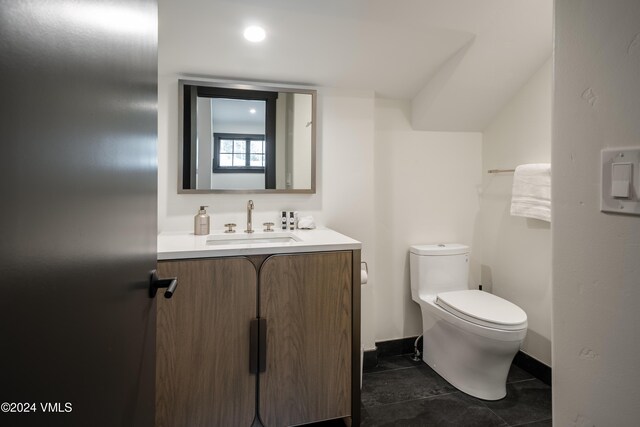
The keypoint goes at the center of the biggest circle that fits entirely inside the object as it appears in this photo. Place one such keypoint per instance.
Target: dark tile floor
(401, 392)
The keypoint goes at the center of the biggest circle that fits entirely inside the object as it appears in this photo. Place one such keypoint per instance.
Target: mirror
(246, 139)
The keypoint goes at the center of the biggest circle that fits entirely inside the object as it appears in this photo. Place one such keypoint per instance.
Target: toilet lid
(483, 308)
(440, 249)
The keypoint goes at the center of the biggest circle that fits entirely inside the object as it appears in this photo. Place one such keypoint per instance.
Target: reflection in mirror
(247, 138)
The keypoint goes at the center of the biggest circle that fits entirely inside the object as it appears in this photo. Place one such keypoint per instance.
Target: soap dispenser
(201, 222)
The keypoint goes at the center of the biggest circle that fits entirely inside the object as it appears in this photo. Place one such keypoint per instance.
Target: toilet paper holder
(364, 273)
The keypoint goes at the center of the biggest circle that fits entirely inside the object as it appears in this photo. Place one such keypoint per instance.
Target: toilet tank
(438, 268)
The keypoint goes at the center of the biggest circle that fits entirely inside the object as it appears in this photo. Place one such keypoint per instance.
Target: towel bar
(500, 170)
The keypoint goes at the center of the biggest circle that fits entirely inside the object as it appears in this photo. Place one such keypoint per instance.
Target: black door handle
(155, 283)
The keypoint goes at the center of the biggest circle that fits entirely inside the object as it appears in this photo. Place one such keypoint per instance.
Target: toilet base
(476, 365)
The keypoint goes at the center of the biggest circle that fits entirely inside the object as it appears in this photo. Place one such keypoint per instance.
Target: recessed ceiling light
(252, 111)
(254, 34)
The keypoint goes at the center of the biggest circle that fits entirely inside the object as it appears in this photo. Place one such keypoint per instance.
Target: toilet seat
(483, 308)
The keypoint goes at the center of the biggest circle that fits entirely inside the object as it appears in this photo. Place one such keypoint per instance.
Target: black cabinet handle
(253, 346)
(262, 346)
(257, 345)
(155, 283)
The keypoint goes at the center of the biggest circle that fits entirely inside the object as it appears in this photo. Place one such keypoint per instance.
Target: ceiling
(238, 112)
(457, 61)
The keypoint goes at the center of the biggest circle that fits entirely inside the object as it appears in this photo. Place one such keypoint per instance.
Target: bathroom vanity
(261, 327)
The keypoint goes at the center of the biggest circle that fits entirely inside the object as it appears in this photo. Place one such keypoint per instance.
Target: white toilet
(470, 336)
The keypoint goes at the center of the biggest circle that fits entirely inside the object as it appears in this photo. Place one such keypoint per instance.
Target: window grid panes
(239, 152)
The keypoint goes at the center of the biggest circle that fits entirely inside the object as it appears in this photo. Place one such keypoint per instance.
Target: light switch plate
(616, 196)
(621, 179)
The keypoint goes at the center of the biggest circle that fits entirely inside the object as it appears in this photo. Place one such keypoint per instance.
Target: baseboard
(405, 346)
(396, 347)
(370, 359)
(389, 348)
(533, 366)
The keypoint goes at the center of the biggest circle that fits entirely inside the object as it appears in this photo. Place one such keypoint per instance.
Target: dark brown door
(78, 182)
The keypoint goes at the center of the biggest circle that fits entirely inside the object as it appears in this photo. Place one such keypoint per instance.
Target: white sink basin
(254, 238)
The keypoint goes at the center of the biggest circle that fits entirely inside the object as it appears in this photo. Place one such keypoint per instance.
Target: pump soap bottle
(201, 222)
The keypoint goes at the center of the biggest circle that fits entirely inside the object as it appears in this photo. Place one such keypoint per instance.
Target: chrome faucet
(249, 210)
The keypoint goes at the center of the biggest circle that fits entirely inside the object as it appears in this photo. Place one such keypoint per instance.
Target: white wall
(204, 150)
(596, 268)
(302, 116)
(516, 251)
(426, 192)
(346, 174)
(281, 140)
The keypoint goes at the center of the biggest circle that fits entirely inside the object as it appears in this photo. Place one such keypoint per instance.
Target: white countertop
(183, 245)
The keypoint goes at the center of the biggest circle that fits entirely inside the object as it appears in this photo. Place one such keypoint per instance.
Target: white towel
(531, 194)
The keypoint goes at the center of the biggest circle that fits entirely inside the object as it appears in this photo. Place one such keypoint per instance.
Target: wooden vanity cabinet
(202, 344)
(306, 300)
(309, 304)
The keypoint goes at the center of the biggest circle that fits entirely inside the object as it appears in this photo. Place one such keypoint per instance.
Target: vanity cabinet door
(202, 373)
(306, 301)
